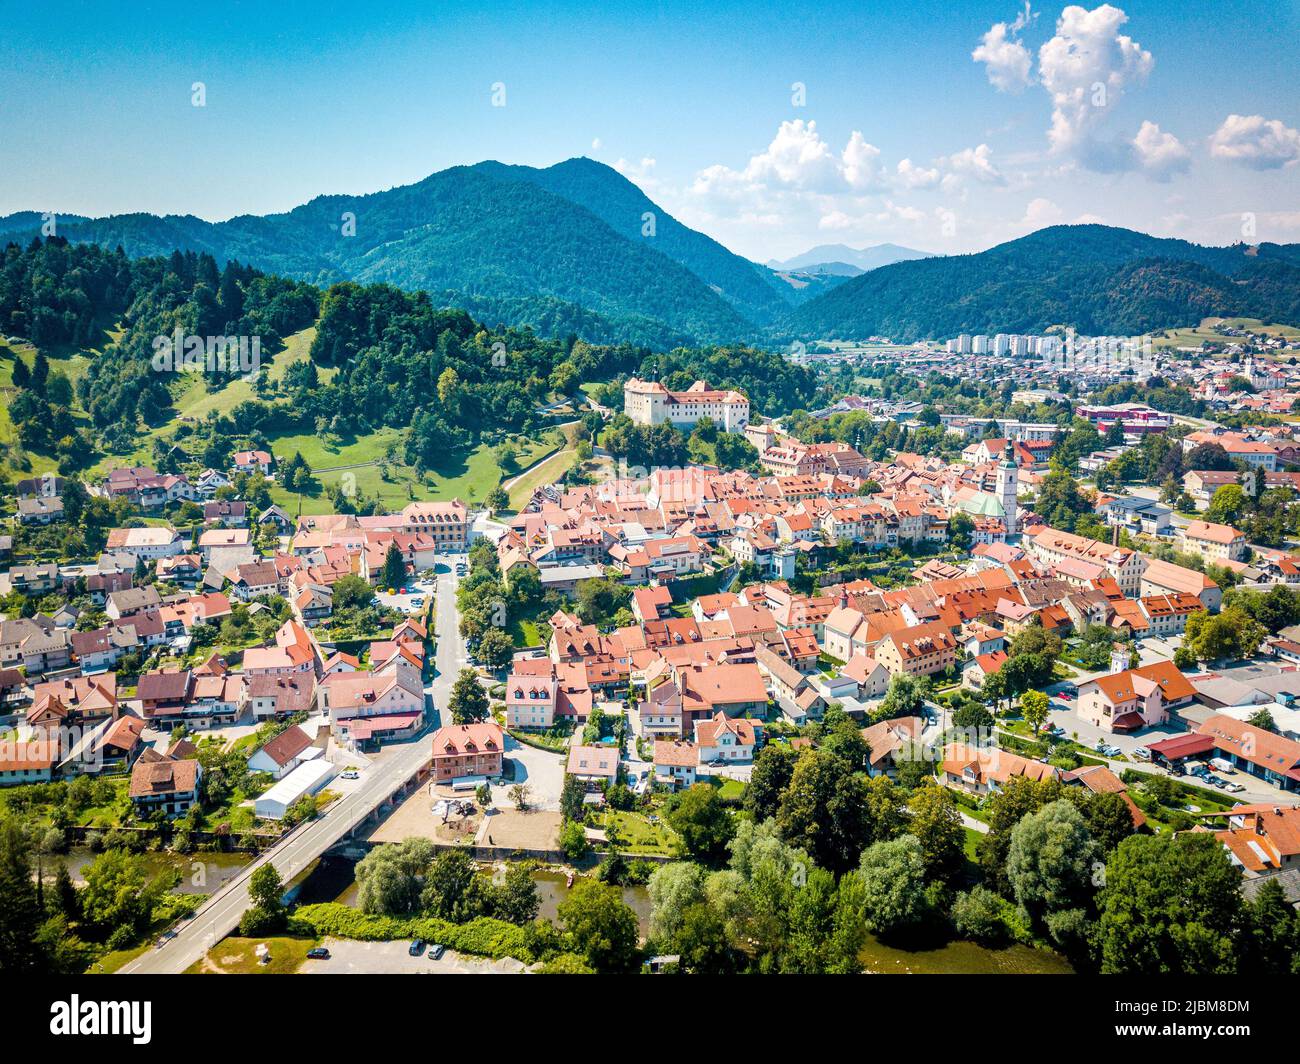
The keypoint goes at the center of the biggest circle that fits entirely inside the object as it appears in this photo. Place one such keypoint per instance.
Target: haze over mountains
(842, 259)
(577, 248)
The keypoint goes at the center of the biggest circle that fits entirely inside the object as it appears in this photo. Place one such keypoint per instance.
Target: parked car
(417, 947)
(319, 953)
(436, 951)
(350, 774)
(1235, 788)
(1142, 753)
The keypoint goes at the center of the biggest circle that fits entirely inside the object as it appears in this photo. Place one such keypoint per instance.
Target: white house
(284, 753)
(723, 738)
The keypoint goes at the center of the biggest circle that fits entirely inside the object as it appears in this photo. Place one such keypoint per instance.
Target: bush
(483, 936)
(258, 921)
(567, 964)
(573, 841)
(986, 917)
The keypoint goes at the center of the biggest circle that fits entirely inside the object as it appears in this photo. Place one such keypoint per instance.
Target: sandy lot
(504, 825)
(537, 829)
(414, 819)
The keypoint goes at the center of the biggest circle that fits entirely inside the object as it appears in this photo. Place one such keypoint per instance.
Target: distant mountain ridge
(1099, 279)
(862, 259)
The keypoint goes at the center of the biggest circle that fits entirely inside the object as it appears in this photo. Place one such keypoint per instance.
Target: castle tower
(1007, 482)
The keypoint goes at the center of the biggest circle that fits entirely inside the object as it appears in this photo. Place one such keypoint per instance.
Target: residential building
(676, 762)
(1135, 698)
(727, 739)
(1214, 543)
(166, 784)
(467, 750)
(920, 650)
(982, 770)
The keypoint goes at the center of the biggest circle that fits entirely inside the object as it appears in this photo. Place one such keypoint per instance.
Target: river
(201, 873)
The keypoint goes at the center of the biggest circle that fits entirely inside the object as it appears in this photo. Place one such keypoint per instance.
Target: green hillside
(485, 238)
(1099, 279)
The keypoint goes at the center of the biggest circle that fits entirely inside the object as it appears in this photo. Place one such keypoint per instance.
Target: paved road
(220, 915)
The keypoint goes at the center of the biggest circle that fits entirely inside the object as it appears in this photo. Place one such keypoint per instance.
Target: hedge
(483, 936)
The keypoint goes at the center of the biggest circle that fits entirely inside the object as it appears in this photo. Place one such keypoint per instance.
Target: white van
(1222, 764)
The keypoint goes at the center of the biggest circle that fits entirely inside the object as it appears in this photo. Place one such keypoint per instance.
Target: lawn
(108, 815)
(636, 835)
(109, 963)
(525, 633)
(233, 812)
(237, 956)
(469, 477)
(71, 365)
(193, 402)
(548, 471)
(1194, 336)
(729, 790)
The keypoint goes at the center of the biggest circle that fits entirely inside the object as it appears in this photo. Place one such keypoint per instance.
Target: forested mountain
(1100, 279)
(501, 239)
(397, 359)
(623, 207)
(561, 250)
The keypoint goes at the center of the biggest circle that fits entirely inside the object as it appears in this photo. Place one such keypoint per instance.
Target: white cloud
(1158, 153)
(975, 163)
(641, 174)
(836, 221)
(862, 168)
(1006, 61)
(912, 176)
(1041, 212)
(865, 220)
(596, 144)
(797, 161)
(1086, 68)
(797, 157)
(1256, 142)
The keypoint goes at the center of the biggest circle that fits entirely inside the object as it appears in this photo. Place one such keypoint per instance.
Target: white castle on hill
(650, 403)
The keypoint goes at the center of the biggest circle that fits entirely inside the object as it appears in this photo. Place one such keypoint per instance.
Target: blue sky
(902, 133)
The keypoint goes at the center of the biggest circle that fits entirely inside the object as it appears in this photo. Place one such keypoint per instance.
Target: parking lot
(413, 599)
(541, 771)
(349, 957)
